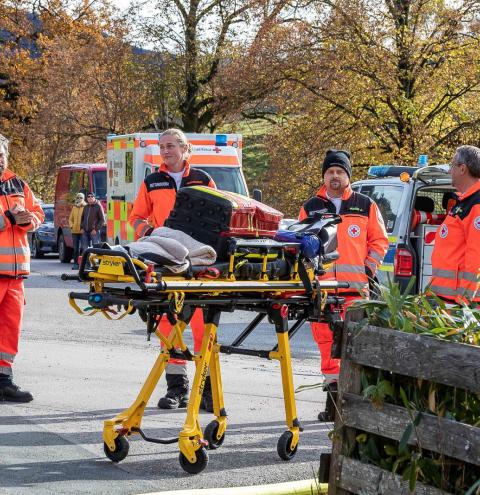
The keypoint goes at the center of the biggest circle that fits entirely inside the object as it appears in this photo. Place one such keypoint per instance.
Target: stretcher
(280, 286)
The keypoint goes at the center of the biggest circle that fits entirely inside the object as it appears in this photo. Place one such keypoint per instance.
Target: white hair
(4, 144)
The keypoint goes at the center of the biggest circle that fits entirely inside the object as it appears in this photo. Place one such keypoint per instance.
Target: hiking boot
(9, 392)
(206, 403)
(177, 392)
(328, 415)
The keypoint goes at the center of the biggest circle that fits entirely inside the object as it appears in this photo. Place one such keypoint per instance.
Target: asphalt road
(83, 370)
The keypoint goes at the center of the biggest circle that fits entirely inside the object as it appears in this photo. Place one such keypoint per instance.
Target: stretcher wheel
(121, 449)
(284, 444)
(210, 435)
(198, 466)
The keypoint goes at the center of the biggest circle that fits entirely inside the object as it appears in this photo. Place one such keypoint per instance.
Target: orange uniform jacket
(156, 197)
(14, 249)
(362, 239)
(456, 254)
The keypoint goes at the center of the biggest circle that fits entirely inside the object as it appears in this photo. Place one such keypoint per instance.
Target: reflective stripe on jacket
(156, 197)
(14, 248)
(456, 254)
(362, 239)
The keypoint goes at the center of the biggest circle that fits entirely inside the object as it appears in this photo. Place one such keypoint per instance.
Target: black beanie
(337, 158)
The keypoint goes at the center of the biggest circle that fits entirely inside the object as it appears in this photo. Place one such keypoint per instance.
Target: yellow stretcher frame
(173, 293)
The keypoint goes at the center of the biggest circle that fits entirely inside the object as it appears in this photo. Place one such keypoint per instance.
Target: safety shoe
(206, 404)
(9, 392)
(328, 415)
(177, 392)
(75, 266)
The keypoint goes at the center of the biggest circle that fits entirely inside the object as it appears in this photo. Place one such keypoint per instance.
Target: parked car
(72, 179)
(43, 240)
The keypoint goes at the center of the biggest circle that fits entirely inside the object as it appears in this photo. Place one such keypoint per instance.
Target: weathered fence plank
(444, 436)
(357, 477)
(350, 381)
(454, 364)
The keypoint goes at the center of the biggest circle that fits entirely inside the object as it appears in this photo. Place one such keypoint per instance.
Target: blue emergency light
(221, 140)
(379, 171)
(422, 160)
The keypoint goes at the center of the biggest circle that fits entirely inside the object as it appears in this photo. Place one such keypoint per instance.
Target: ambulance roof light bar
(221, 140)
(380, 171)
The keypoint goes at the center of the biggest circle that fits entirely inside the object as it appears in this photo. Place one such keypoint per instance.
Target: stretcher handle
(111, 252)
(69, 276)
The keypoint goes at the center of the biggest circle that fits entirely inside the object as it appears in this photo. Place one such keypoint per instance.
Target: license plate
(111, 265)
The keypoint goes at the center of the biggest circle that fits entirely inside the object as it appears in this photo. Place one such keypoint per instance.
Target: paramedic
(154, 201)
(20, 213)
(456, 254)
(362, 244)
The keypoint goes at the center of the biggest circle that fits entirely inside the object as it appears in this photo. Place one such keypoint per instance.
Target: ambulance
(131, 157)
(414, 202)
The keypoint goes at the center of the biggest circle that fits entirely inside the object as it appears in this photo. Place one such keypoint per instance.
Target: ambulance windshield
(227, 179)
(388, 199)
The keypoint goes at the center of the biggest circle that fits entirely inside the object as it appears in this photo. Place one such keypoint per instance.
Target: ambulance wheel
(198, 466)
(284, 446)
(120, 452)
(210, 435)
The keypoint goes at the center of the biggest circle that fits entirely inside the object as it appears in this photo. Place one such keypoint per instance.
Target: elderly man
(456, 255)
(20, 212)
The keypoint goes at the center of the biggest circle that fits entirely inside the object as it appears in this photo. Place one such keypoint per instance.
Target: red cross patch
(354, 231)
(217, 150)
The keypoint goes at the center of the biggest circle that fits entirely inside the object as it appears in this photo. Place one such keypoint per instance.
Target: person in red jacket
(362, 244)
(20, 212)
(154, 201)
(456, 253)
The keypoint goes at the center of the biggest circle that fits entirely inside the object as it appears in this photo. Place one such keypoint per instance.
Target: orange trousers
(12, 300)
(323, 336)
(179, 366)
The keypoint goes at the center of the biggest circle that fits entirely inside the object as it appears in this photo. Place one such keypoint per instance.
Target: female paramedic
(154, 201)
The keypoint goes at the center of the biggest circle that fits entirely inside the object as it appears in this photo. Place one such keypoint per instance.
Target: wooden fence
(453, 364)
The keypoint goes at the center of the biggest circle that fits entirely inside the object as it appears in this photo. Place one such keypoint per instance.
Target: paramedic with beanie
(154, 201)
(362, 244)
(20, 213)
(456, 253)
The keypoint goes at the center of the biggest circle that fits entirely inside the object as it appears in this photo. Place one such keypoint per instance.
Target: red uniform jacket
(456, 254)
(14, 248)
(362, 239)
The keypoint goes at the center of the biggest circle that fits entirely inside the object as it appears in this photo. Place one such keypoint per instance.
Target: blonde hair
(181, 139)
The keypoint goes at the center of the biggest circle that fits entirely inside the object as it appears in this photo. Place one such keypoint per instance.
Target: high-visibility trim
(392, 239)
(10, 267)
(6, 370)
(471, 277)
(5, 356)
(138, 223)
(375, 256)
(348, 268)
(372, 265)
(21, 251)
(3, 222)
(440, 272)
(440, 290)
(176, 367)
(331, 377)
(386, 267)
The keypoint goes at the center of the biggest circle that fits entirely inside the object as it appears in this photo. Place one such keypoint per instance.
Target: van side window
(75, 185)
